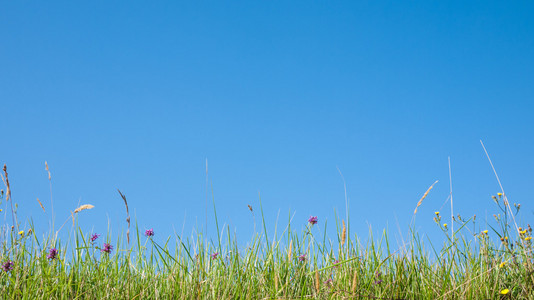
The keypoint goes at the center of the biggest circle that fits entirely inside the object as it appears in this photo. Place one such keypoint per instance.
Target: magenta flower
(8, 266)
(312, 220)
(107, 248)
(302, 257)
(149, 232)
(94, 237)
(214, 255)
(52, 254)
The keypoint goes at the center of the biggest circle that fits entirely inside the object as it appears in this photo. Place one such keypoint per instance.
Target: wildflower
(214, 255)
(377, 276)
(7, 266)
(485, 232)
(499, 194)
(523, 231)
(502, 264)
(21, 233)
(52, 254)
(107, 248)
(528, 238)
(445, 225)
(504, 292)
(312, 220)
(94, 237)
(149, 232)
(302, 257)
(437, 213)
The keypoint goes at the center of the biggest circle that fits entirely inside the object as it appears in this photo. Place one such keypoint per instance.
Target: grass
(467, 265)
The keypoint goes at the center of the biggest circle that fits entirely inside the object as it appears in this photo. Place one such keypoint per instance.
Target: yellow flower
(437, 213)
(502, 264)
(499, 194)
(445, 225)
(528, 238)
(504, 292)
(523, 232)
(485, 232)
(21, 233)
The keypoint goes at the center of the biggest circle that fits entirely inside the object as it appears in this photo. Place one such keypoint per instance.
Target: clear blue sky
(276, 95)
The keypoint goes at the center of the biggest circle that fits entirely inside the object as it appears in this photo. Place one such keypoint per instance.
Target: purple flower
(149, 232)
(214, 255)
(107, 248)
(52, 254)
(378, 275)
(7, 266)
(302, 257)
(94, 237)
(312, 220)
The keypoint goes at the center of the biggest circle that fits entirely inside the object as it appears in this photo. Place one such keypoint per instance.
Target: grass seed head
(343, 233)
(423, 198)
(80, 208)
(41, 204)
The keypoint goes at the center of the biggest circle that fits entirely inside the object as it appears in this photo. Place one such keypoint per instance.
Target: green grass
(469, 265)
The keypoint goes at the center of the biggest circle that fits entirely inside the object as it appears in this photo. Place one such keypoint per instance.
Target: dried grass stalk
(424, 196)
(343, 234)
(77, 210)
(41, 204)
(128, 215)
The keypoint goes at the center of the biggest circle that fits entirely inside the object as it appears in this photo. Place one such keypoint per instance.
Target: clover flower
(94, 237)
(302, 257)
(214, 255)
(312, 220)
(52, 254)
(149, 232)
(107, 248)
(8, 266)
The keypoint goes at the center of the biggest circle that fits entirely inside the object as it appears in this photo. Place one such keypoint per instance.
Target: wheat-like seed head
(48, 170)
(343, 234)
(317, 282)
(275, 281)
(424, 196)
(82, 207)
(6, 182)
(354, 281)
(289, 250)
(41, 204)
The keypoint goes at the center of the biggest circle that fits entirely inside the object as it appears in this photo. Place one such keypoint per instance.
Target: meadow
(471, 262)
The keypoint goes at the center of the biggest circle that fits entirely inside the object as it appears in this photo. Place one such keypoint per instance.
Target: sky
(283, 100)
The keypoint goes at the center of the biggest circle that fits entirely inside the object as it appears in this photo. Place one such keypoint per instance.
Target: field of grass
(470, 263)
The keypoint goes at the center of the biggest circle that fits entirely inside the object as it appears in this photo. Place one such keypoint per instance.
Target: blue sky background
(276, 95)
